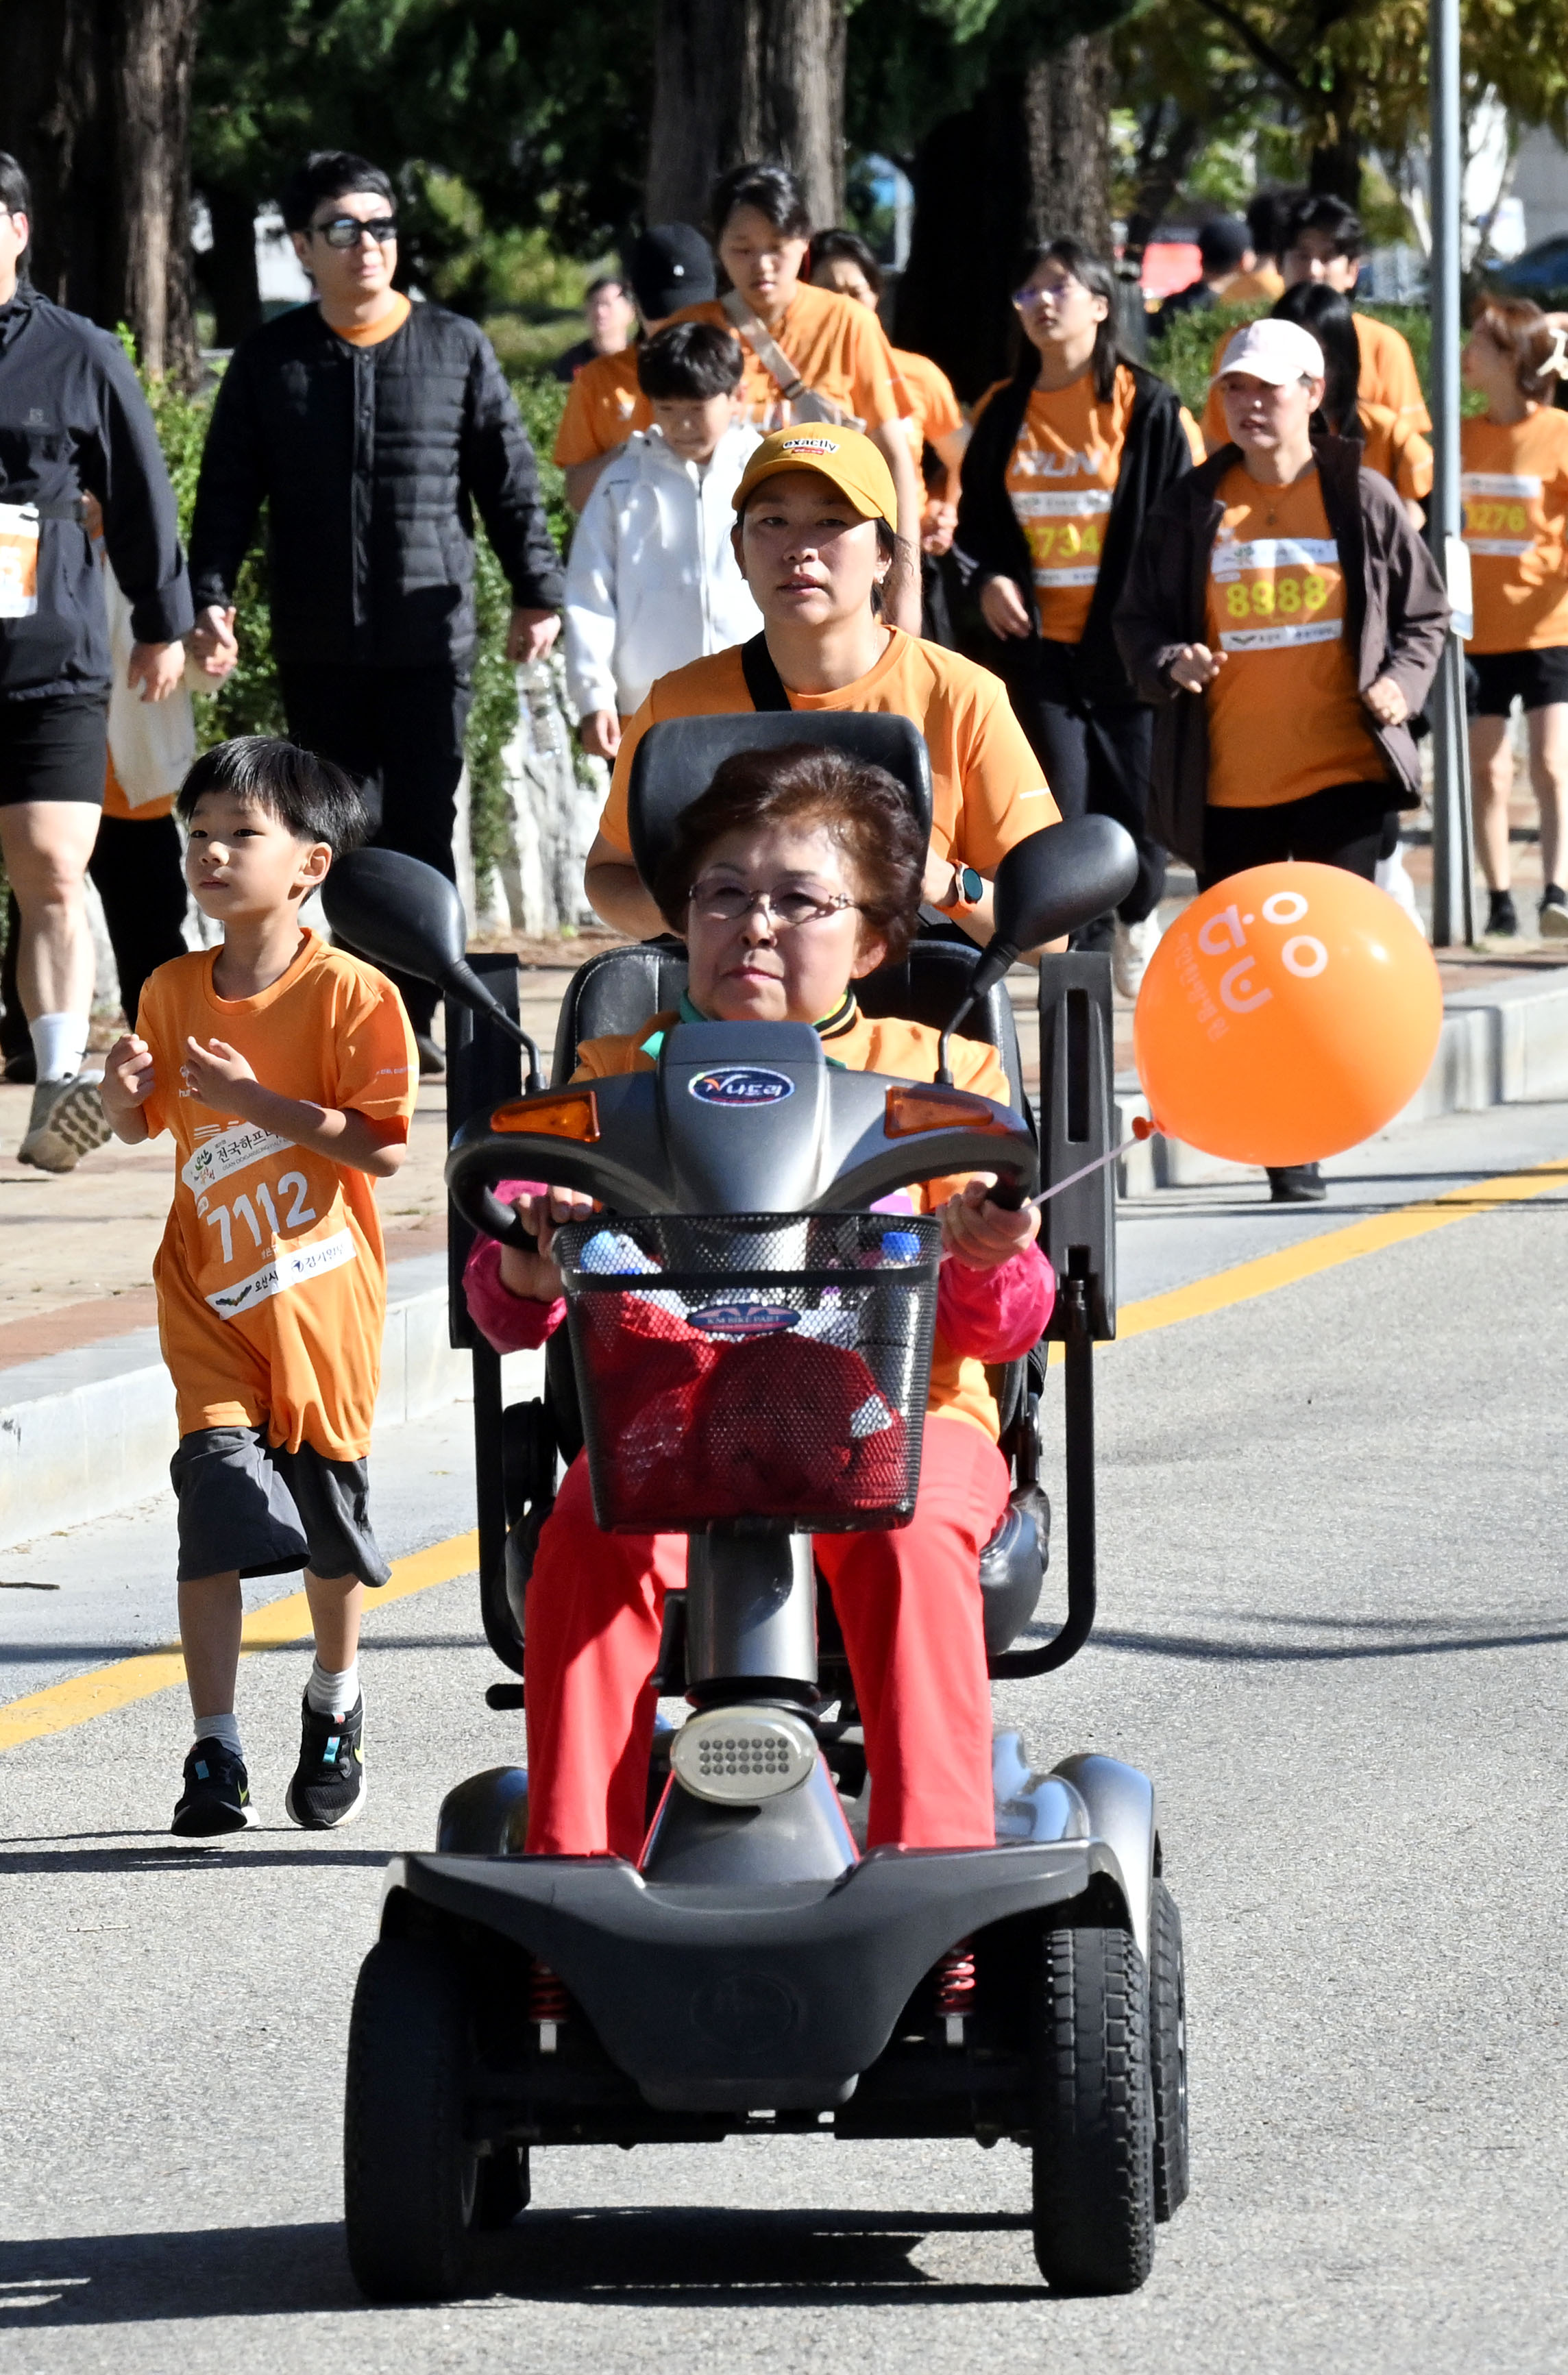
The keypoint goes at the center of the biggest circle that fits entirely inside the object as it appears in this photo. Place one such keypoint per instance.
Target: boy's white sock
(333, 1694)
(59, 1043)
(222, 1728)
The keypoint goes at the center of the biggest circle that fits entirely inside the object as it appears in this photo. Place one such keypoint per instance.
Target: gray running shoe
(66, 1123)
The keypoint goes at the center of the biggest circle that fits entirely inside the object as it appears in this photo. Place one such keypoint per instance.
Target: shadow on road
(697, 2258)
(161, 1853)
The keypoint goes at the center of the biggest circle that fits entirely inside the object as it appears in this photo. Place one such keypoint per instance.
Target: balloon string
(1141, 1130)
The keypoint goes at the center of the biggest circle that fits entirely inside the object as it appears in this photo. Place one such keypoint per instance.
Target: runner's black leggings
(1344, 825)
(1095, 754)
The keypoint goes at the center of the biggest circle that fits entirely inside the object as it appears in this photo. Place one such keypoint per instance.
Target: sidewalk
(85, 1412)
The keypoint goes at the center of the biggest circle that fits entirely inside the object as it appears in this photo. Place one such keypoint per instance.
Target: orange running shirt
(271, 1277)
(115, 804)
(1514, 483)
(1388, 377)
(1284, 714)
(1395, 448)
(906, 1051)
(935, 411)
(837, 347)
(987, 790)
(603, 405)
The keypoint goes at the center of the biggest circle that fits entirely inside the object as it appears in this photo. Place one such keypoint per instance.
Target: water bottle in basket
(779, 1370)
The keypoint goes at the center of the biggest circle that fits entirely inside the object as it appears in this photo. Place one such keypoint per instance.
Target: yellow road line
(68, 1704)
(86, 1695)
(1331, 1247)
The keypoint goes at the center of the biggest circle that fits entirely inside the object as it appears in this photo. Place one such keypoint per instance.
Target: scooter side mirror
(1060, 878)
(407, 918)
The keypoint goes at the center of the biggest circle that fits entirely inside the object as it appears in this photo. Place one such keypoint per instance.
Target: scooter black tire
(411, 2179)
(1093, 2115)
(1168, 2053)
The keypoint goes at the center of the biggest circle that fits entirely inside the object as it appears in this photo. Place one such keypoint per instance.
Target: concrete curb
(91, 1430)
(1505, 1044)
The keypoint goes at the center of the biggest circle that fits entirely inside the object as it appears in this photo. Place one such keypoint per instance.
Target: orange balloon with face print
(1288, 1013)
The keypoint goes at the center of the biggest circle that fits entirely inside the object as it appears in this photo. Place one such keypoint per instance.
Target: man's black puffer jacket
(74, 422)
(372, 461)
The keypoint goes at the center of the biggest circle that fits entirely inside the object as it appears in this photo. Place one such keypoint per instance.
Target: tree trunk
(1067, 109)
(227, 270)
(971, 200)
(95, 103)
(746, 79)
(1335, 171)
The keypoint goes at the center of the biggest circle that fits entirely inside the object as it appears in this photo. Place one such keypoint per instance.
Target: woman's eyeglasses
(347, 230)
(726, 902)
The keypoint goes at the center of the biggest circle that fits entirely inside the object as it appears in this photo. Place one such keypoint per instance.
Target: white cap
(1275, 352)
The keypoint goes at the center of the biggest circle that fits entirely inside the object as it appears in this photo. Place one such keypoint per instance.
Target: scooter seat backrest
(617, 990)
(674, 762)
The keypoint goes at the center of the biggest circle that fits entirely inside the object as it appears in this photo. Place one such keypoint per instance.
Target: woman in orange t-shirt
(1066, 457)
(840, 260)
(808, 349)
(1514, 459)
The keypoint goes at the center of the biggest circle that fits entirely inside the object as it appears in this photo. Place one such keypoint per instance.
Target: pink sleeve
(512, 1323)
(996, 1315)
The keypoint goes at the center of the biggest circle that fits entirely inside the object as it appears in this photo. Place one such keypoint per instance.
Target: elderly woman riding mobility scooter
(778, 1325)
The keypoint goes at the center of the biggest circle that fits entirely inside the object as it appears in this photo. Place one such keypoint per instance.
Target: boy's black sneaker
(1503, 916)
(328, 1788)
(217, 1795)
(1296, 1183)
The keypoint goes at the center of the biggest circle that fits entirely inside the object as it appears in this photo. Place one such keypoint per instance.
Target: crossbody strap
(763, 681)
(764, 346)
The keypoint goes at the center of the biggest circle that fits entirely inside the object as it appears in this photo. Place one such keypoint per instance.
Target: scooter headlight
(737, 1757)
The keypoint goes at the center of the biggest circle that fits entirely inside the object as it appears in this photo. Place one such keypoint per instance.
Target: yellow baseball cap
(855, 466)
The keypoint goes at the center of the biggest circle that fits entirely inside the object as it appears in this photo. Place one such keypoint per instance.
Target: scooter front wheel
(413, 2187)
(1094, 2114)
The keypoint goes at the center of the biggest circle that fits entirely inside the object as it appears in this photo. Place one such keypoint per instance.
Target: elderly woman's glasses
(726, 902)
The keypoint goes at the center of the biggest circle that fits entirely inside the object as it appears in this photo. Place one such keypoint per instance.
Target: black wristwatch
(968, 890)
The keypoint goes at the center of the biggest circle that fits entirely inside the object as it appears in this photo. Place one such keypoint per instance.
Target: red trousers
(908, 1604)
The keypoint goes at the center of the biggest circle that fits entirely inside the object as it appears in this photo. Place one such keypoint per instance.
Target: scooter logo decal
(738, 1085)
(743, 1319)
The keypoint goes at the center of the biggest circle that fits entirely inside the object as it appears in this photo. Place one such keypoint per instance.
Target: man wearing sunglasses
(372, 430)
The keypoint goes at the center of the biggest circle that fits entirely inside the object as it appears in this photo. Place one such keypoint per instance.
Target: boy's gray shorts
(244, 1504)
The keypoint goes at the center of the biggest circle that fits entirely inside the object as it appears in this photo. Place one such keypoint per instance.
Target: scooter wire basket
(752, 1365)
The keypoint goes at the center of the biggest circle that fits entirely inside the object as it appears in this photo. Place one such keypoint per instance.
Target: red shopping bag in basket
(647, 1366)
(790, 1424)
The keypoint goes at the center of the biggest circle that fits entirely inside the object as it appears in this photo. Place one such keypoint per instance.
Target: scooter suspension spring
(548, 2004)
(955, 1989)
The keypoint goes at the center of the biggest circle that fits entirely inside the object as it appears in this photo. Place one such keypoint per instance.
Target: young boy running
(287, 1072)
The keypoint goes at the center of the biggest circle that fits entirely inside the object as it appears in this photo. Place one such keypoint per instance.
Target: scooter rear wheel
(1168, 2051)
(1094, 2114)
(411, 2181)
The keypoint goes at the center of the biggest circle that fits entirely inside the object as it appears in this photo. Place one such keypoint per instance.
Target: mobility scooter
(754, 1971)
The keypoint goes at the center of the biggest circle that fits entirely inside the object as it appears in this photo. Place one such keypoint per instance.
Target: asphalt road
(1334, 1622)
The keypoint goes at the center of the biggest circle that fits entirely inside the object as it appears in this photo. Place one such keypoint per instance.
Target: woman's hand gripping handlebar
(526, 1269)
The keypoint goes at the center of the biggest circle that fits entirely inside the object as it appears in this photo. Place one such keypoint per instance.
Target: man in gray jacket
(373, 430)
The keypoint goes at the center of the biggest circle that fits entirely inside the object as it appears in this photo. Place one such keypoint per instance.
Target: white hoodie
(652, 582)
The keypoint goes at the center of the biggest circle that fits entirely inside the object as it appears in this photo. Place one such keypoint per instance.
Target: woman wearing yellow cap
(814, 535)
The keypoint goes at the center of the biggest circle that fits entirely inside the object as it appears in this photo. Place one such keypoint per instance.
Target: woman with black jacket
(1065, 459)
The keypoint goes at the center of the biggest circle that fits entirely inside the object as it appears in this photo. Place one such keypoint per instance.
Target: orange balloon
(1288, 1013)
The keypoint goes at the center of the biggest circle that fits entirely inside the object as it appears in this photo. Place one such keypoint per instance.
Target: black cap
(1223, 243)
(669, 266)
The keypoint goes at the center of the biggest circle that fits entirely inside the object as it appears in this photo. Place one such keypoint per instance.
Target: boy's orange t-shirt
(272, 1276)
(837, 347)
(987, 790)
(1388, 376)
(906, 1051)
(1514, 484)
(603, 405)
(1285, 717)
(1060, 478)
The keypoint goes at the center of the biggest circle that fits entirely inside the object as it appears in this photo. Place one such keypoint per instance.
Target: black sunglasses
(347, 230)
